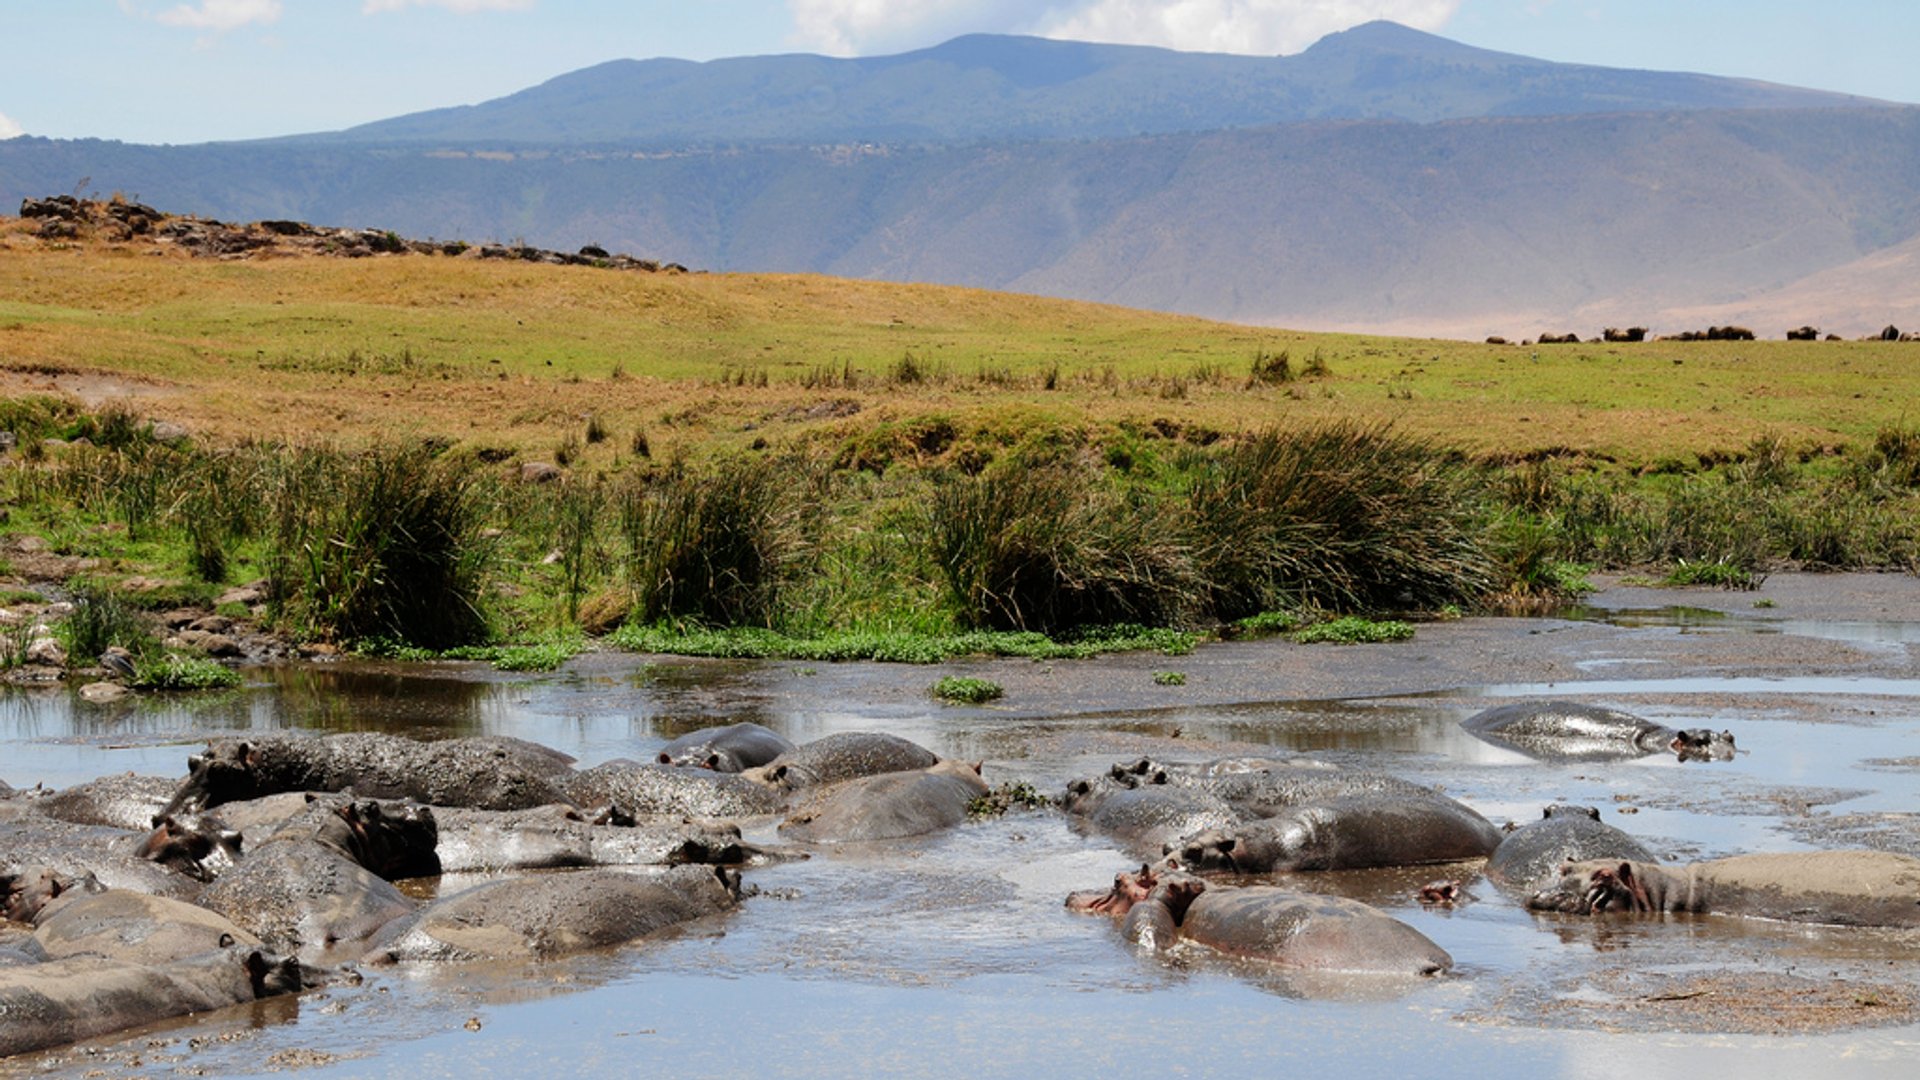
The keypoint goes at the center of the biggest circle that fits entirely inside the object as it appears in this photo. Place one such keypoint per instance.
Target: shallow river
(955, 956)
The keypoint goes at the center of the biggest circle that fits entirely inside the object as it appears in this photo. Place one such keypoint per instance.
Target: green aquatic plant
(966, 690)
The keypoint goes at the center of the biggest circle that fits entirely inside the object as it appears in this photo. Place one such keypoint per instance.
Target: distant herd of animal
(1712, 333)
(272, 863)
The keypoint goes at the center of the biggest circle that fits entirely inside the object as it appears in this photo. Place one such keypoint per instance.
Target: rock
(29, 545)
(46, 651)
(248, 595)
(167, 431)
(220, 645)
(102, 692)
(211, 624)
(539, 472)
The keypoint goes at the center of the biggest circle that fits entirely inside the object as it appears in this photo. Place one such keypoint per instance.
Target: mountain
(1000, 87)
(1382, 179)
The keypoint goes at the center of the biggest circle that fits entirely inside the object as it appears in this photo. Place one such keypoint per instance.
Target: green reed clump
(714, 545)
(384, 543)
(1343, 517)
(102, 618)
(175, 672)
(1053, 548)
(966, 690)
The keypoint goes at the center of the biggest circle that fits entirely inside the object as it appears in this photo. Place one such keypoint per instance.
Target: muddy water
(955, 956)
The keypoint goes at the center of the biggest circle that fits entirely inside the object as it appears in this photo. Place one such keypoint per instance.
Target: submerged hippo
(197, 845)
(1529, 857)
(26, 890)
(1571, 731)
(322, 882)
(131, 927)
(1845, 888)
(80, 851)
(889, 806)
(554, 837)
(846, 755)
(1253, 787)
(653, 790)
(79, 997)
(488, 771)
(540, 916)
(1352, 833)
(730, 749)
(1289, 929)
(1145, 820)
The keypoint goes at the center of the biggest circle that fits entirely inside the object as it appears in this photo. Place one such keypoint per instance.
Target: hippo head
(1441, 893)
(394, 840)
(197, 845)
(1702, 744)
(1566, 810)
(1129, 888)
(1176, 892)
(225, 773)
(26, 891)
(1590, 889)
(1209, 849)
(270, 976)
(1142, 773)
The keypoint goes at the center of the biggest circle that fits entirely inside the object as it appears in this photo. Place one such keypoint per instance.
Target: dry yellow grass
(518, 355)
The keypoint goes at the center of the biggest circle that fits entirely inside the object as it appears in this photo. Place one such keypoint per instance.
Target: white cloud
(459, 7)
(220, 16)
(9, 129)
(845, 27)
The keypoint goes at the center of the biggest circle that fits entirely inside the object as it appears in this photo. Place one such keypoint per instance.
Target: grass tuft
(966, 690)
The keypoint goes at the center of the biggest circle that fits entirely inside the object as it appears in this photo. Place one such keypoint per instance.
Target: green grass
(966, 690)
(1169, 678)
(1717, 575)
(908, 648)
(174, 672)
(1354, 630)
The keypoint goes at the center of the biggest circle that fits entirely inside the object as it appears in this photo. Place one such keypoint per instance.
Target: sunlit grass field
(518, 357)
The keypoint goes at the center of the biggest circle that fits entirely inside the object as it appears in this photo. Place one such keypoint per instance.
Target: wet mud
(902, 958)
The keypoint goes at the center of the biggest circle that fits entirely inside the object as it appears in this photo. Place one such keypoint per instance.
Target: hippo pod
(1571, 731)
(846, 755)
(1530, 856)
(1288, 929)
(1353, 833)
(82, 996)
(1843, 888)
(321, 882)
(729, 749)
(131, 927)
(890, 806)
(541, 916)
(491, 772)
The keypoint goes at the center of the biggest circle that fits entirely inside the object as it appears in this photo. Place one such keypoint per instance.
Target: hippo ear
(975, 765)
(712, 762)
(664, 758)
(249, 753)
(196, 762)
(1625, 874)
(226, 940)
(312, 797)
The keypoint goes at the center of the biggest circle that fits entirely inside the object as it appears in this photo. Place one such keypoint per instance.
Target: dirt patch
(1732, 1002)
(91, 388)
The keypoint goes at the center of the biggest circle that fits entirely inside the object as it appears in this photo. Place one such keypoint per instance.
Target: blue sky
(200, 70)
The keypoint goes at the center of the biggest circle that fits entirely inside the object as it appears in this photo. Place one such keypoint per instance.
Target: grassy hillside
(512, 356)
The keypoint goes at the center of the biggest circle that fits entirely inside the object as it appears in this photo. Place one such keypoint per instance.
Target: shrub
(1342, 517)
(386, 543)
(1051, 548)
(712, 546)
(102, 618)
(173, 672)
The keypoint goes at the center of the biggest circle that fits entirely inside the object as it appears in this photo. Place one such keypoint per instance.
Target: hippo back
(887, 807)
(1309, 931)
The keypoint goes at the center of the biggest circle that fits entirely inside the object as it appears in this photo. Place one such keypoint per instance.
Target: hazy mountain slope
(996, 87)
(1483, 226)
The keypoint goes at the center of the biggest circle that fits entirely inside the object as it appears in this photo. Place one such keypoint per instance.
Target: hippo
(322, 884)
(1352, 833)
(729, 749)
(554, 837)
(133, 928)
(541, 916)
(846, 755)
(654, 790)
(125, 801)
(1571, 731)
(1288, 929)
(1531, 856)
(889, 806)
(1254, 787)
(488, 771)
(79, 997)
(1842, 888)
(1144, 820)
